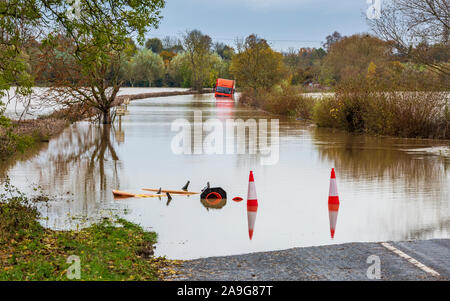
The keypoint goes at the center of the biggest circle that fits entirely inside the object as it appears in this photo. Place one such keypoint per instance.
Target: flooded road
(387, 190)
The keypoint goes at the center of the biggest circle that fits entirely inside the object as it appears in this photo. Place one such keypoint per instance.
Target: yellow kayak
(172, 191)
(122, 194)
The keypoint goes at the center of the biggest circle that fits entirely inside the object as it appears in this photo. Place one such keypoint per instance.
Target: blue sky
(285, 23)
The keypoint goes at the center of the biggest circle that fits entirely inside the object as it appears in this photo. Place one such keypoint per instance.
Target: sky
(284, 23)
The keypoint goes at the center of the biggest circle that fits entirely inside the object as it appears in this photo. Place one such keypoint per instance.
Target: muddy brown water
(387, 190)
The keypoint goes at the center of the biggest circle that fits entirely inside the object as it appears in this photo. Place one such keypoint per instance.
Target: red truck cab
(224, 88)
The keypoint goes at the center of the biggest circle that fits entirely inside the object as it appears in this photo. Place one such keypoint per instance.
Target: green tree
(218, 68)
(154, 45)
(257, 65)
(226, 52)
(180, 70)
(95, 43)
(198, 48)
(17, 17)
(147, 67)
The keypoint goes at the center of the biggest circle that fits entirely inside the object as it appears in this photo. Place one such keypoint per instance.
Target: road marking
(410, 259)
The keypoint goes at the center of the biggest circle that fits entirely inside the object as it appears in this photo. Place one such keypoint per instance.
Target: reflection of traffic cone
(333, 203)
(333, 210)
(252, 205)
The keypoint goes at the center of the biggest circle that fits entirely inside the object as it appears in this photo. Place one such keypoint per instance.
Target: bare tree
(331, 39)
(239, 44)
(417, 28)
(173, 44)
(96, 38)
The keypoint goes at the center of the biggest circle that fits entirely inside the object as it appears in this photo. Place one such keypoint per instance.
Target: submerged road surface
(410, 260)
(390, 189)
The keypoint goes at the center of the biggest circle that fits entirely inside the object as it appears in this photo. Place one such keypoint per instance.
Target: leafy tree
(17, 18)
(218, 68)
(350, 57)
(179, 70)
(304, 65)
(257, 65)
(147, 67)
(226, 52)
(167, 56)
(291, 59)
(154, 45)
(198, 48)
(131, 46)
(92, 46)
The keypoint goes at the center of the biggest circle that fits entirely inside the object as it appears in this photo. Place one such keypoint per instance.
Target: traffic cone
(252, 205)
(333, 203)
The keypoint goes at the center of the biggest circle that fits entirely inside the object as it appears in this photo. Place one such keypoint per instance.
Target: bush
(359, 107)
(415, 114)
(18, 214)
(325, 112)
(362, 106)
(281, 100)
(17, 136)
(10, 140)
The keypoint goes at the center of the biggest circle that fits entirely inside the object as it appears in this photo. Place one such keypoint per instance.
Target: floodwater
(15, 105)
(387, 190)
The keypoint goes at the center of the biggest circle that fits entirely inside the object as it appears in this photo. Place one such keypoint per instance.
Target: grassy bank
(17, 136)
(109, 250)
(282, 100)
(361, 109)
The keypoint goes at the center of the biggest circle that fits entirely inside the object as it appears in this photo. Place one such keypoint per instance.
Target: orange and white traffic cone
(252, 205)
(333, 203)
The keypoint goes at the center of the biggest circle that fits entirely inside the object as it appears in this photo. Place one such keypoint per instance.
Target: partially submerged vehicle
(224, 87)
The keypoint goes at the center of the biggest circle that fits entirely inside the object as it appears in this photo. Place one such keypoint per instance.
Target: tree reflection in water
(88, 155)
(383, 165)
(369, 158)
(79, 168)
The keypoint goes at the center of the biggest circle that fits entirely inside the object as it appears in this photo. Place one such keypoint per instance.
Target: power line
(229, 39)
(274, 40)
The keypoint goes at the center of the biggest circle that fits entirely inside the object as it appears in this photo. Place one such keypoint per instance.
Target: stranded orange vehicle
(224, 88)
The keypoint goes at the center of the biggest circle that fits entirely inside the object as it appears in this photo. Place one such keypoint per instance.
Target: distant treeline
(85, 61)
(169, 62)
(158, 63)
